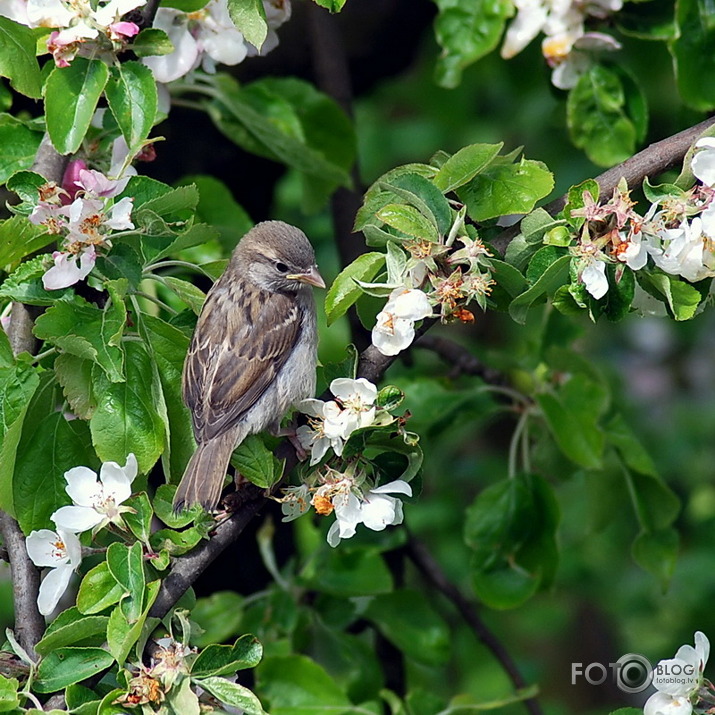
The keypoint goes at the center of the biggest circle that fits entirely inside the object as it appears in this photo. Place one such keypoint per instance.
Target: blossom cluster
(207, 37)
(78, 23)
(82, 211)
(95, 504)
(677, 233)
(201, 38)
(351, 498)
(434, 279)
(567, 46)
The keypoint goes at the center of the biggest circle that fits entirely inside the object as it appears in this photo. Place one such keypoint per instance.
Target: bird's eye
(281, 267)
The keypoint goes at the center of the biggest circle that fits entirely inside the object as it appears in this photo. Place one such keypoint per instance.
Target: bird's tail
(203, 479)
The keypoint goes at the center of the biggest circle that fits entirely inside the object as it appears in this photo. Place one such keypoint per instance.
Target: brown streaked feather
(223, 380)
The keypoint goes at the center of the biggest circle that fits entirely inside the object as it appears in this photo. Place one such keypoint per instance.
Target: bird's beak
(312, 277)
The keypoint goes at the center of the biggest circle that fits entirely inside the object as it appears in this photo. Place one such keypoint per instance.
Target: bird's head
(277, 257)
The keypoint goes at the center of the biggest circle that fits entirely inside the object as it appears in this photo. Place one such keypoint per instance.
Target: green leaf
(409, 221)
(71, 96)
(249, 17)
(98, 590)
(139, 521)
(332, 5)
(132, 98)
(17, 59)
(122, 633)
(19, 238)
(256, 462)
(502, 189)
(681, 298)
(9, 700)
(551, 278)
(126, 419)
(407, 620)
(287, 120)
(176, 542)
(234, 695)
(346, 573)
(164, 508)
(75, 376)
(69, 628)
(65, 666)
(191, 295)
(214, 660)
(597, 117)
(168, 347)
(345, 291)
(467, 30)
(46, 451)
(630, 447)
(418, 191)
(692, 51)
(463, 166)
(294, 682)
(504, 587)
(88, 332)
(126, 564)
(572, 415)
(219, 616)
(657, 552)
(151, 41)
(218, 208)
(25, 284)
(19, 143)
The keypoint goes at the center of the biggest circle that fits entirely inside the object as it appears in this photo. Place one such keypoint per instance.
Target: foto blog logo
(631, 673)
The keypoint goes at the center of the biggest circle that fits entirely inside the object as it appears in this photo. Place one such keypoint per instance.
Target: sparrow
(252, 355)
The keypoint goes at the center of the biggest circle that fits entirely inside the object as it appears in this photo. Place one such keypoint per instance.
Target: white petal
(76, 518)
(703, 164)
(334, 534)
(72, 545)
(116, 481)
(410, 304)
(399, 486)
(82, 486)
(42, 550)
(48, 13)
(594, 278)
(119, 215)
(378, 511)
(702, 646)
(317, 452)
(63, 274)
(345, 389)
(52, 588)
(183, 59)
(311, 407)
(663, 704)
(523, 29)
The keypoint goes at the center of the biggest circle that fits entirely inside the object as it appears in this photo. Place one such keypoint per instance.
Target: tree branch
(653, 160)
(186, 569)
(432, 571)
(29, 623)
(373, 364)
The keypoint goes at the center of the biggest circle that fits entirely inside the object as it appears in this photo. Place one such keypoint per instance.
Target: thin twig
(432, 571)
(332, 76)
(653, 160)
(463, 362)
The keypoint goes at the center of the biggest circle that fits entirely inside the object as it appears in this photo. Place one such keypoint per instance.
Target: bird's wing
(237, 350)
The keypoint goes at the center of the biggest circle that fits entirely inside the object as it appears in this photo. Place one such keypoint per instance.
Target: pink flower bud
(70, 179)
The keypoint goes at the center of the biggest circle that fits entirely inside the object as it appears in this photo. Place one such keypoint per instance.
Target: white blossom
(395, 328)
(69, 268)
(357, 399)
(62, 553)
(96, 502)
(677, 679)
(295, 502)
(375, 509)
